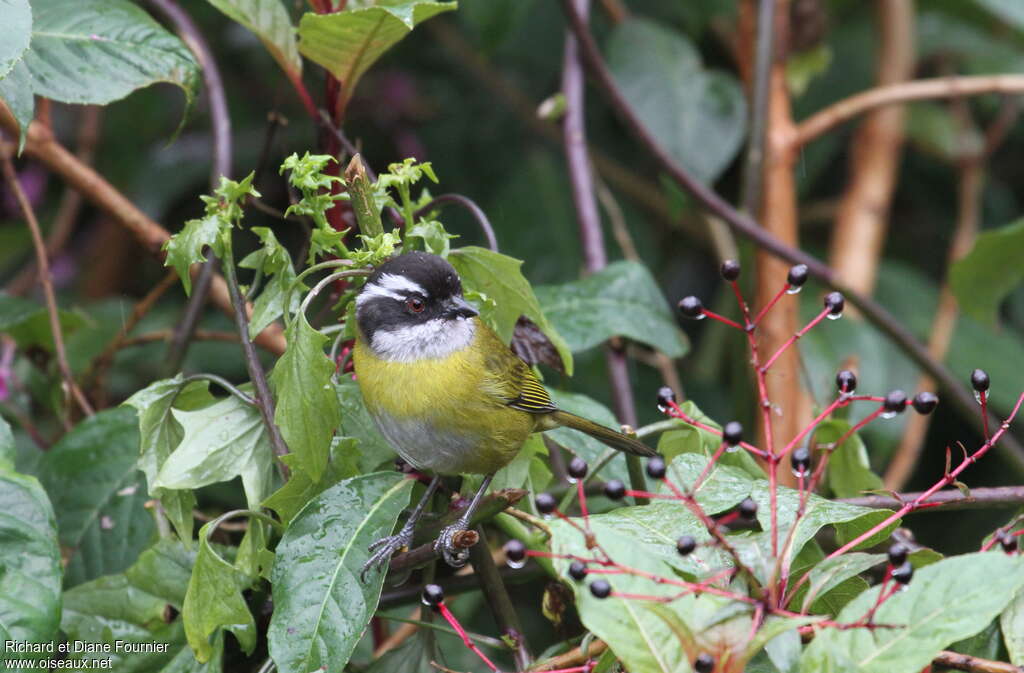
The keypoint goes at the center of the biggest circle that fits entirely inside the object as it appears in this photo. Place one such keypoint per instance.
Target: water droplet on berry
(977, 397)
(888, 414)
(834, 316)
(572, 480)
(700, 316)
(516, 565)
(729, 448)
(798, 473)
(662, 408)
(794, 289)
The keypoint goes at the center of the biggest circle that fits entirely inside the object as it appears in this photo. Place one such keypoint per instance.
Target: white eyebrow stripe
(371, 290)
(390, 281)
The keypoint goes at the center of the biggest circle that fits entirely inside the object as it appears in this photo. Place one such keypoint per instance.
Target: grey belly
(424, 446)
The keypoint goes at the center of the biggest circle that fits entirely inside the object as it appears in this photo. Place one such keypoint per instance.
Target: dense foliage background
(477, 93)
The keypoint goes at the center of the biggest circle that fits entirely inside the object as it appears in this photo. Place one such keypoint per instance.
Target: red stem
(767, 307)
(721, 319)
(454, 623)
(793, 339)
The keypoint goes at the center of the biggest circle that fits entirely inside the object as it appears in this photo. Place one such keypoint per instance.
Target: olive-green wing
(511, 380)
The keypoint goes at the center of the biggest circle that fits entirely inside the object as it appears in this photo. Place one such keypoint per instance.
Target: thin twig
(965, 662)
(47, 281)
(753, 163)
(574, 657)
(221, 122)
(979, 498)
(905, 92)
(476, 211)
(749, 228)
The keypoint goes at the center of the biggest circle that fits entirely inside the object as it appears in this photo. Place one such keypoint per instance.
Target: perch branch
(979, 498)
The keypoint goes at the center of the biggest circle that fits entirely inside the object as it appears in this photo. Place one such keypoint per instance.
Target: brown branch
(965, 662)
(875, 149)
(42, 145)
(980, 498)
(906, 92)
(166, 334)
(47, 281)
(572, 658)
(743, 224)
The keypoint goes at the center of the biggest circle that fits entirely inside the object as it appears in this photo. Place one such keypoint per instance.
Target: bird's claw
(383, 549)
(454, 556)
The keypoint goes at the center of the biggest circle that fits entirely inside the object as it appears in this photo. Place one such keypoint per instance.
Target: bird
(445, 391)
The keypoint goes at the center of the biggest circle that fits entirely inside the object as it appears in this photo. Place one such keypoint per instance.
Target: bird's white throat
(433, 339)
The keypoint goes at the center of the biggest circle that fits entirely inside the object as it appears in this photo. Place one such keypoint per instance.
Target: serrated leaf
(620, 300)
(99, 495)
(288, 500)
(849, 469)
(321, 607)
(187, 247)
(30, 567)
(501, 279)
(347, 43)
(984, 276)
(214, 601)
(269, 20)
(220, 442)
(698, 115)
(163, 571)
(926, 618)
(271, 258)
(99, 51)
(160, 435)
(15, 33)
(307, 410)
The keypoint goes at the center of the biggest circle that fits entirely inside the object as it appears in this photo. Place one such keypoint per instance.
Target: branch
(42, 145)
(922, 89)
(574, 657)
(980, 498)
(749, 228)
(763, 58)
(496, 594)
(222, 154)
(965, 662)
(470, 205)
(595, 258)
(47, 281)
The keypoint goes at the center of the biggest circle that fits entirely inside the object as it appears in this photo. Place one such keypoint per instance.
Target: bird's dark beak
(457, 307)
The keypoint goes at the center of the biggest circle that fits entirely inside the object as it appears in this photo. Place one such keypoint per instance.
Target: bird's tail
(612, 438)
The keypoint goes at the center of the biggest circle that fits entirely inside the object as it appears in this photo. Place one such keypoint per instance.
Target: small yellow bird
(448, 394)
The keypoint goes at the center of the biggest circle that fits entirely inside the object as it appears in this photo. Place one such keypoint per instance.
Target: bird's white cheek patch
(390, 281)
(432, 339)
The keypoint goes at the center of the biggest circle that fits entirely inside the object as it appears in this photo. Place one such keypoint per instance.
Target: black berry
(577, 468)
(615, 489)
(846, 381)
(656, 467)
(546, 503)
(748, 509)
(691, 307)
(730, 269)
(904, 573)
(666, 396)
(732, 433)
(895, 402)
(433, 595)
(925, 403)
(797, 275)
(1007, 541)
(800, 459)
(577, 570)
(834, 302)
(980, 380)
(686, 544)
(898, 554)
(515, 551)
(704, 663)
(600, 589)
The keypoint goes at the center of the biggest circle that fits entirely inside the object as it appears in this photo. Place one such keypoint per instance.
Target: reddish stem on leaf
(454, 623)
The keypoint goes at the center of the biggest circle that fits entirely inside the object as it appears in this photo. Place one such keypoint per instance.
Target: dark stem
(980, 498)
(222, 152)
(470, 205)
(264, 400)
(498, 598)
(743, 224)
(595, 258)
(752, 169)
(458, 584)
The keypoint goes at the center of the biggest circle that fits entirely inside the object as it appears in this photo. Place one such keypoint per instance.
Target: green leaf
(214, 601)
(160, 435)
(585, 446)
(28, 323)
(356, 422)
(271, 258)
(300, 488)
(163, 570)
(30, 567)
(830, 573)
(946, 602)
(698, 115)
(849, 469)
(430, 236)
(1011, 621)
(620, 300)
(15, 33)
(99, 51)
(99, 495)
(269, 20)
(187, 247)
(16, 92)
(220, 442)
(501, 279)
(307, 408)
(8, 451)
(691, 439)
(517, 473)
(347, 43)
(321, 607)
(985, 275)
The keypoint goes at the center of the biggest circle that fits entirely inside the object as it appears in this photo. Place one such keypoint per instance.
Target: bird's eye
(415, 304)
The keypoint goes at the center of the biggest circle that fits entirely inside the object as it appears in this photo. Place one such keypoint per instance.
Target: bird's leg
(385, 547)
(454, 556)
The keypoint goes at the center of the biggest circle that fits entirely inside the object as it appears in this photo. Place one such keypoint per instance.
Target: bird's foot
(384, 548)
(453, 555)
